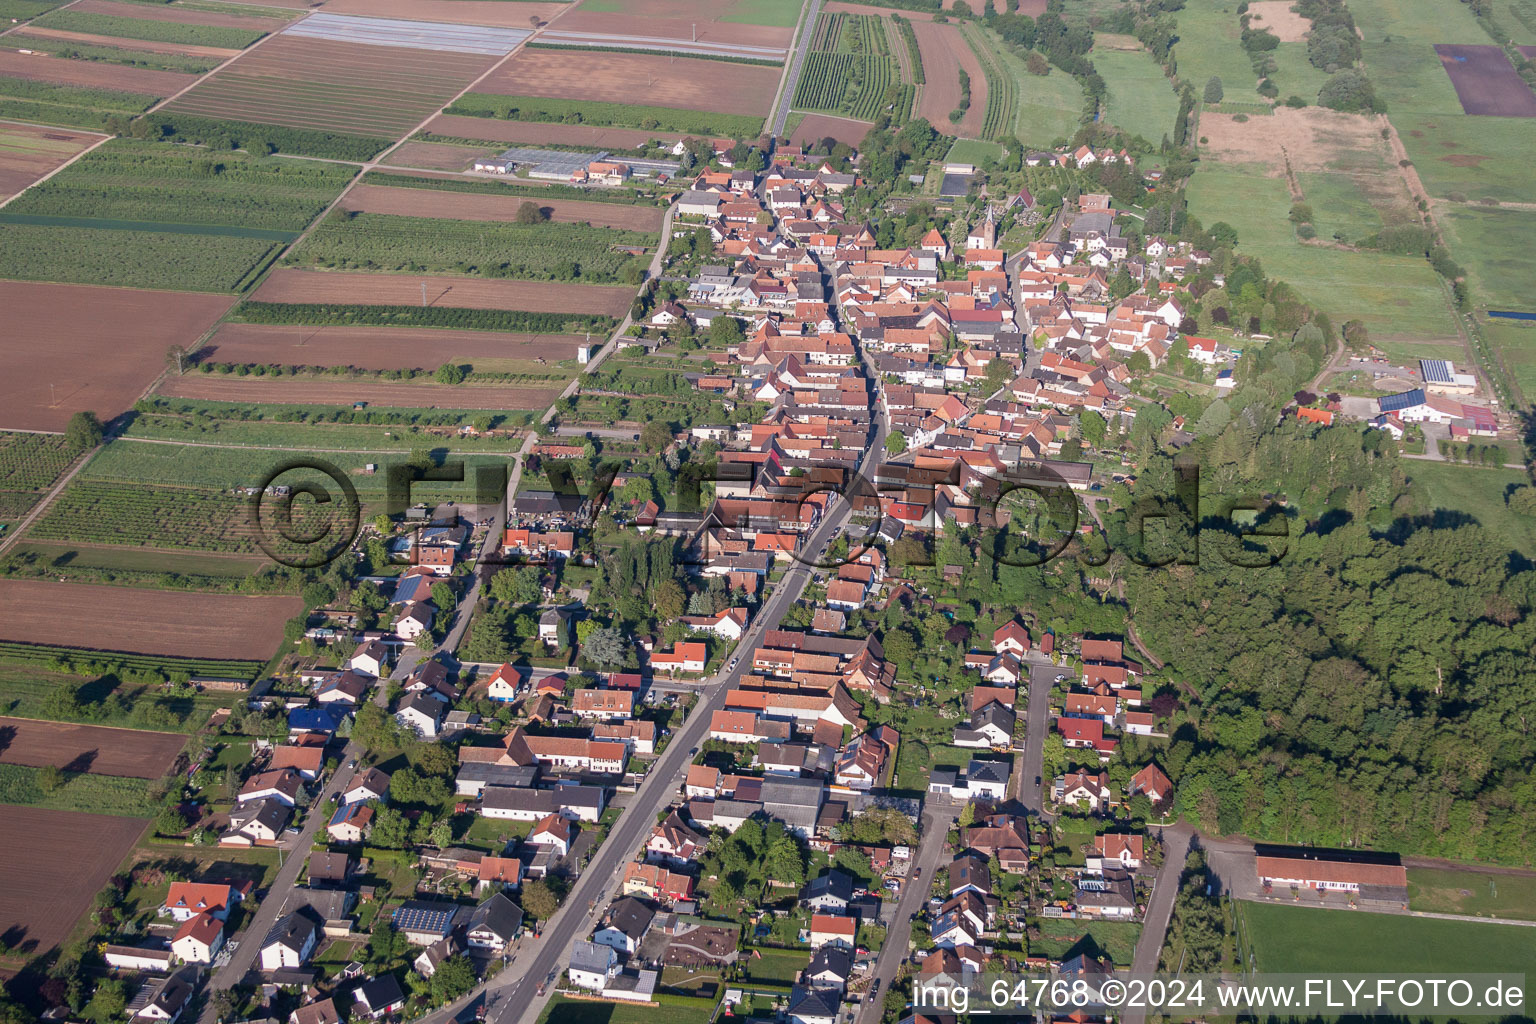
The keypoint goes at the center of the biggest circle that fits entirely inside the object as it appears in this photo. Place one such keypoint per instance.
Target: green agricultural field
(1289, 939)
(1479, 492)
(1399, 298)
(92, 794)
(29, 464)
(132, 560)
(1045, 107)
(538, 252)
(25, 693)
(1414, 19)
(1339, 207)
(770, 13)
(130, 258)
(1471, 891)
(1480, 238)
(1141, 100)
(1407, 75)
(116, 54)
(617, 115)
(22, 10)
(22, 99)
(130, 180)
(1516, 343)
(208, 426)
(1210, 44)
(1518, 19)
(1472, 157)
(154, 31)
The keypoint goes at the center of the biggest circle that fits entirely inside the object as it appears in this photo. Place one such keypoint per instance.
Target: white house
(504, 685)
(592, 965)
(290, 942)
(371, 658)
(415, 620)
(421, 713)
(199, 940)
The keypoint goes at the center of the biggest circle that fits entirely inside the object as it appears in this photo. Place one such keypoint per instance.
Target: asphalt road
(1154, 928)
(939, 815)
(781, 113)
(512, 996)
(1042, 675)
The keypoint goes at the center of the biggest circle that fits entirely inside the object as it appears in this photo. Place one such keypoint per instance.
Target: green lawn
(24, 693)
(973, 151)
(580, 1011)
(1399, 298)
(1048, 108)
(1117, 939)
(1289, 939)
(777, 965)
(1140, 100)
(1470, 891)
(1480, 493)
(1339, 207)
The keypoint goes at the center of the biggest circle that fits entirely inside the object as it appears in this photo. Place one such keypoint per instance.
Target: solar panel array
(1437, 371)
(416, 35)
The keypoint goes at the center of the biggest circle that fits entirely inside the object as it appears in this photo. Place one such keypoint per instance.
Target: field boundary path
(101, 141)
(791, 79)
(612, 344)
(48, 499)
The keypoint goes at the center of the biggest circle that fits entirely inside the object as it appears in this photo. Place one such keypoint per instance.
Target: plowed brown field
(531, 133)
(609, 77)
(945, 52)
(394, 394)
(378, 348)
(143, 621)
(68, 348)
(420, 202)
(290, 284)
(91, 74)
(334, 86)
(27, 152)
(88, 748)
(56, 861)
(434, 156)
(816, 127)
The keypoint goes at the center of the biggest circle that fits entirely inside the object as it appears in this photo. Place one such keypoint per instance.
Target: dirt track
(289, 284)
(143, 621)
(31, 152)
(420, 202)
(88, 748)
(945, 52)
(378, 348)
(612, 77)
(68, 348)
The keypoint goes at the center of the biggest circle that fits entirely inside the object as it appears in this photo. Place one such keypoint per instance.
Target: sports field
(1290, 939)
(1473, 891)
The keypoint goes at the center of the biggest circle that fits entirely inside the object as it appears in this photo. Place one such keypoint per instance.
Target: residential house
(494, 924)
(424, 922)
(593, 965)
(198, 940)
(990, 727)
(379, 997)
(1152, 782)
(625, 925)
(833, 929)
(814, 1004)
(187, 900)
(1114, 850)
(370, 784)
(555, 832)
(504, 684)
(290, 941)
(1083, 788)
(829, 893)
(420, 713)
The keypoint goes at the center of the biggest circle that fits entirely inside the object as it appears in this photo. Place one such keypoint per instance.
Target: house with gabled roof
(187, 900)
